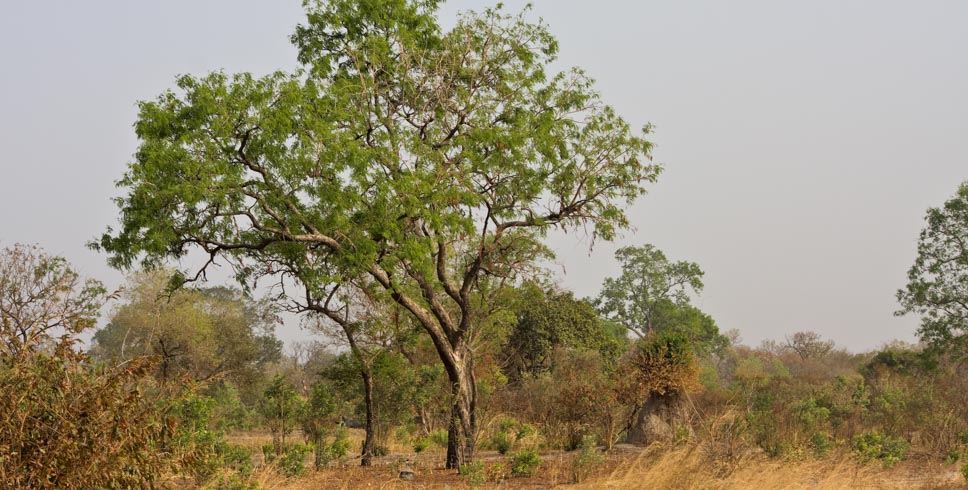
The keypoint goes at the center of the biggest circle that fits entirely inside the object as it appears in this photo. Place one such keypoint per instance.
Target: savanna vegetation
(393, 194)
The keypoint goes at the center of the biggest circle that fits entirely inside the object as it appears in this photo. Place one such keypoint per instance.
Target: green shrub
(421, 445)
(341, 443)
(876, 446)
(524, 463)
(821, 444)
(525, 430)
(509, 433)
(501, 442)
(234, 481)
(473, 473)
(268, 452)
(236, 458)
(963, 437)
(955, 455)
(439, 437)
(292, 461)
(587, 459)
(964, 471)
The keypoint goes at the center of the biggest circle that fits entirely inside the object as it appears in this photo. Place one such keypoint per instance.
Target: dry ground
(626, 467)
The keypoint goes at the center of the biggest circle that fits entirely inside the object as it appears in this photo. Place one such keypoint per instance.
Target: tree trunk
(368, 441)
(659, 419)
(462, 430)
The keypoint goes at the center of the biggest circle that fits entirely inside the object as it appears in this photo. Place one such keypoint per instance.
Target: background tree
(421, 159)
(318, 418)
(548, 320)
(42, 298)
(282, 409)
(937, 288)
(650, 288)
(651, 299)
(809, 345)
(213, 335)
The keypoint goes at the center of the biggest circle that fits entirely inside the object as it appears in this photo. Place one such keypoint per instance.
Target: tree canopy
(550, 319)
(652, 293)
(937, 288)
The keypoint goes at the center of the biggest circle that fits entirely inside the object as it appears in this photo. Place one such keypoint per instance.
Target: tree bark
(366, 456)
(462, 430)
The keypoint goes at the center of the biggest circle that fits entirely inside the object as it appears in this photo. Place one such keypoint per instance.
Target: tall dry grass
(693, 466)
(689, 468)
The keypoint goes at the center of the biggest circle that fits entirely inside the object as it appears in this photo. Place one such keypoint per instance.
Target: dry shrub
(64, 425)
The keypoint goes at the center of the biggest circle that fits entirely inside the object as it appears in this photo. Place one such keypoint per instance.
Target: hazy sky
(803, 141)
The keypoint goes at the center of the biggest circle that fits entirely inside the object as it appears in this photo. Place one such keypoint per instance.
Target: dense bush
(64, 424)
(525, 463)
(874, 445)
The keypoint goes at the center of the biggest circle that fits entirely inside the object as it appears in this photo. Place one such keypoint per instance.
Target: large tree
(418, 160)
(937, 286)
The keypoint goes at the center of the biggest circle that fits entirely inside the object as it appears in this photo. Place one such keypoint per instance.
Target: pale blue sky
(803, 140)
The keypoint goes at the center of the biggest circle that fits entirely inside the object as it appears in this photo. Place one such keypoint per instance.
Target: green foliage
(874, 445)
(901, 361)
(281, 410)
(509, 433)
(421, 444)
(236, 458)
(500, 442)
(202, 448)
(317, 417)
(821, 444)
(203, 334)
(290, 459)
(341, 443)
(196, 442)
(936, 282)
(651, 295)
(439, 437)
(229, 412)
(548, 319)
(397, 388)
(587, 459)
(525, 463)
(474, 474)
(964, 471)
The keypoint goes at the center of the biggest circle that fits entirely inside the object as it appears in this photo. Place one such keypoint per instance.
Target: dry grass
(689, 467)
